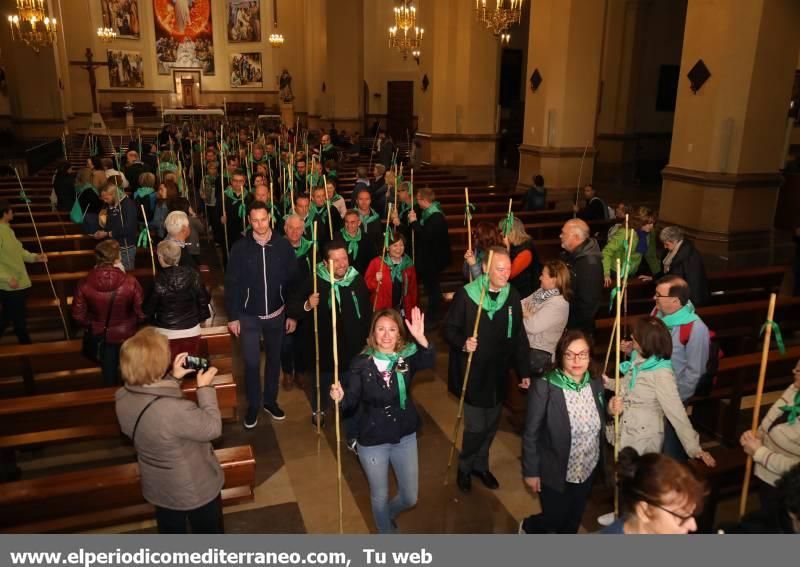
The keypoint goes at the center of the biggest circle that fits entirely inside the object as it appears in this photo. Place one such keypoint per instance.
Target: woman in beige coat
(180, 474)
(648, 393)
(545, 313)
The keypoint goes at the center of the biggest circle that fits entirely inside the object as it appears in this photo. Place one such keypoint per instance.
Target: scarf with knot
(682, 316)
(368, 218)
(236, 198)
(793, 410)
(652, 363)
(559, 379)
(401, 369)
(352, 241)
(337, 285)
(490, 306)
(432, 209)
(398, 269)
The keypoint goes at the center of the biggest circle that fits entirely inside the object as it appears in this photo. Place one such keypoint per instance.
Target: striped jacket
(781, 448)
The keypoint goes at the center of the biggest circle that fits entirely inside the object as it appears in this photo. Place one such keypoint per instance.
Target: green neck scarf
(352, 242)
(319, 212)
(398, 269)
(407, 352)
(302, 250)
(434, 208)
(349, 277)
(793, 410)
(490, 306)
(236, 198)
(652, 363)
(142, 192)
(327, 147)
(559, 379)
(682, 316)
(368, 218)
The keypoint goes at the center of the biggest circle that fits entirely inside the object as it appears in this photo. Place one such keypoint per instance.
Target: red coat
(410, 300)
(92, 298)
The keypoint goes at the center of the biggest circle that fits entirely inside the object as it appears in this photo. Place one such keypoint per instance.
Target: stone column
(722, 180)
(565, 45)
(458, 112)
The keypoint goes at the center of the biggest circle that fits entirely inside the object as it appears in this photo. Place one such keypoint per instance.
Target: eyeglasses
(681, 519)
(658, 295)
(576, 355)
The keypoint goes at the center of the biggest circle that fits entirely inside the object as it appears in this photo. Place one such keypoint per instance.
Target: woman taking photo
(545, 313)
(561, 442)
(172, 436)
(648, 393)
(658, 495)
(393, 278)
(380, 384)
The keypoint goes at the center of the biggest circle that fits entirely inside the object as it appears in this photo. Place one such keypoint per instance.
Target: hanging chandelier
(106, 34)
(276, 39)
(499, 19)
(31, 25)
(405, 35)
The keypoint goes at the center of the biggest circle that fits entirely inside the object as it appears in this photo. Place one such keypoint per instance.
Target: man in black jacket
(585, 261)
(501, 344)
(595, 209)
(359, 246)
(134, 168)
(121, 222)
(261, 270)
(432, 248)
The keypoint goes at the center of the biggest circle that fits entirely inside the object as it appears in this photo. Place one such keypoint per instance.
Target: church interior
(523, 114)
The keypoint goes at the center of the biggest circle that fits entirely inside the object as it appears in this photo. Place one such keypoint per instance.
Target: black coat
(688, 264)
(178, 299)
(381, 419)
(352, 325)
(526, 282)
(547, 437)
(64, 186)
(595, 209)
(132, 173)
(586, 269)
(366, 252)
(432, 246)
(496, 353)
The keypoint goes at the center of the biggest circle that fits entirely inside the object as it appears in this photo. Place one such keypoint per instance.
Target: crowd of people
(271, 211)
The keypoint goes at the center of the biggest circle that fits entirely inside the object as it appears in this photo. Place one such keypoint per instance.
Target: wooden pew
(79, 261)
(104, 496)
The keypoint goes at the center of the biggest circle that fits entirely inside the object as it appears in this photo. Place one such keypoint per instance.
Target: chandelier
(405, 35)
(499, 19)
(31, 26)
(106, 34)
(276, 39)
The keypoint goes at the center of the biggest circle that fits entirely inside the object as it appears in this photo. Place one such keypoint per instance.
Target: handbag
(94, 346)
(541, 362)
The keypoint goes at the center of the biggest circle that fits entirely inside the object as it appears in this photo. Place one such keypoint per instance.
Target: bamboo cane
(316, 328)
(413, 234)
(460, 414)
(149, 239)
(469, 227)
(624, 291)
(616, 390)
(762, 372)
(336, 381)
(328, 206)
(580, 172)
(383, 255)
(41, 251)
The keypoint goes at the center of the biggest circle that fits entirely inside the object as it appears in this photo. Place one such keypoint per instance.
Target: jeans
(128, 256)
(561, 511)
(375, 461)
(110, 364)
(13, 303)
(206, 519)
(252, 329)
(480, 427)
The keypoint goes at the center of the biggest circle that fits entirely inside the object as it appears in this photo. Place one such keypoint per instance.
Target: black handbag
(541, 362)
(94, 346)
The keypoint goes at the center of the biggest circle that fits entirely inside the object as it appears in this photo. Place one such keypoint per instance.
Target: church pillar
(458, 111)
(344, 66)
(722, 180)
(565, 46)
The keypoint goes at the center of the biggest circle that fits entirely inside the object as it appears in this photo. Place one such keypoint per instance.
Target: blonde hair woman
(525, 266)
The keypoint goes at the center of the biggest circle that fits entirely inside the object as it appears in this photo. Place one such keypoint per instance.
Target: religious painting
(244, 20)
(184, 37)
(125, 69)
(122, 16)
(246, 70)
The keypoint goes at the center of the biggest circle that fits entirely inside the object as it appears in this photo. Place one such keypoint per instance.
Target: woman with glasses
(648, 393)
(658, 495)
(561, 443)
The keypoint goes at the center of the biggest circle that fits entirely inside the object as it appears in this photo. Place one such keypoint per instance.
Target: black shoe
(275, 412)
(251, 419)
(488, 479)
(464, 481)
(320, 415)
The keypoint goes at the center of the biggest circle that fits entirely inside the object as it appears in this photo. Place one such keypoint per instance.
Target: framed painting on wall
(246, 70)
(122, 16)
(125, 69)
(184, 37)
(244, 20)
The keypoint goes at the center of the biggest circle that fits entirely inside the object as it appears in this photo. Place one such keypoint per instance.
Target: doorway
(400, 110)
(187, 88)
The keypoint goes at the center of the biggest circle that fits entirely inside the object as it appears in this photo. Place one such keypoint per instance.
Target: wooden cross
(90, 65)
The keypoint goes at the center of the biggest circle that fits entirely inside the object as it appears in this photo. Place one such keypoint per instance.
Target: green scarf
(142, 192)
(321, 212)
(349, 277)
(490, 306)
(793, 410)
(352, 242)
(407, 352)
(559, 379)
(366, 219)
(398, 269)
(302, 250)
(682, 316)
(434, 208)
(652, 363)
(233, 197)
(327, 147)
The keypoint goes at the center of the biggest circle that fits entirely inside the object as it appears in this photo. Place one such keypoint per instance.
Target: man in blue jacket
(261, 270)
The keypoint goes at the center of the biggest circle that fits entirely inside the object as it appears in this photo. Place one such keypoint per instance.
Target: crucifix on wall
(90, 65)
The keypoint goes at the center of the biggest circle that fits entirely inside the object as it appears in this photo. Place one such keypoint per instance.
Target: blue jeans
(375, 461)
(252, 328)
(128, 256)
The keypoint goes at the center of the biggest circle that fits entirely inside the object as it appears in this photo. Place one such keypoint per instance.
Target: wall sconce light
(536, 80)
(698, 75)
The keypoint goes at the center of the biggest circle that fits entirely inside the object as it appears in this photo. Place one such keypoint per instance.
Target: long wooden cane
(624, 290)
(328, 207)
(616, 387)
(580, 173)
(336, 381)
(316, 327)
(149, 239)
(41, 251)
(469, 226)
(762, 372)
(383, 255)
(460, 414)
(413, 234)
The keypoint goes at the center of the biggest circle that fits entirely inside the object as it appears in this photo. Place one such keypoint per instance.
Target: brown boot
(288, 381)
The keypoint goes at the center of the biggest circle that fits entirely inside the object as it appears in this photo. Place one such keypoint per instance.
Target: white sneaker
(606, 519)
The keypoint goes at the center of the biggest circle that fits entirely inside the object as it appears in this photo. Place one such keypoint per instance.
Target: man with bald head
(585, 260)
